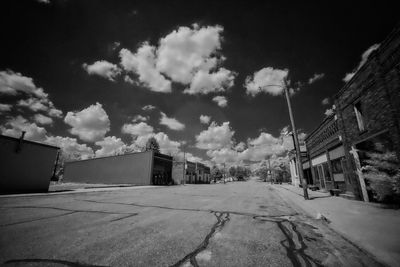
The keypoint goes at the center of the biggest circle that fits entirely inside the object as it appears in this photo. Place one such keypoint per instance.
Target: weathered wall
(28, 170)
(132, 168)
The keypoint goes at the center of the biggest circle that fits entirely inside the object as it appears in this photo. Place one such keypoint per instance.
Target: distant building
(195, 173)
(294, 171)
(25, 166)
(143, 168)
(368, 110)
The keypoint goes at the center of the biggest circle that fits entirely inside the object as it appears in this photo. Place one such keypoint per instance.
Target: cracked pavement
(233, 224)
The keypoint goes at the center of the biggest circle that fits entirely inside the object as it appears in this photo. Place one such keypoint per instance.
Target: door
(321, 176)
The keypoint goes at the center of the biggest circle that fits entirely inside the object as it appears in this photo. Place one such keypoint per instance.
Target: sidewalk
(368, 225)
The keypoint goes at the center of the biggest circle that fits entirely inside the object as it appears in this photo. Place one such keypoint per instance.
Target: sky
(99, 78)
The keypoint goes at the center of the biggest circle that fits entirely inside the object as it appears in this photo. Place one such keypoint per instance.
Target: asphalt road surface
(233, 224)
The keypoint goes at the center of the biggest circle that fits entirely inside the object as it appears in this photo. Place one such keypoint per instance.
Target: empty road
(233, 224)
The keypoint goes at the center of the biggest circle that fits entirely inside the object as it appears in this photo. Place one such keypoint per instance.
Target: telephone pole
(296, 142)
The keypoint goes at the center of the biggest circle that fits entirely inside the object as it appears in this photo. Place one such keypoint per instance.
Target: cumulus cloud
(42, 119)
(205, 119)
(90, 124)
(109, 146)
(171, 123)
(32, 103)
(265, 80)
(215, 137)
(15, 126)
(143, 63)
(70, 147)
(325, 101)
(14, 83)
(221, 101)
(148, 107)
(204, 82)
(167, 146)
(329, 112)
(102, 68)
(316, 77)
(188, 55)
(364, 58)
(140, 118)
(137, 129)
(5, 107)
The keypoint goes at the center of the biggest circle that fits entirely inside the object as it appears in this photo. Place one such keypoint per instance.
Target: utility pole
(224, 175)
(184, 166)
(296, 141)
(269, 169)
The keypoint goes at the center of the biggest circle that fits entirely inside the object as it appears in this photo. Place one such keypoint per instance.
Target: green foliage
(152, 144)
(216, 173)
(232, 171)
(382, 171)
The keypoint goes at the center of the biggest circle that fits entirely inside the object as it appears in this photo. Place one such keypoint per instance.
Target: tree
(382, 172)
(232, 171)
(216, 173)
(152, 144)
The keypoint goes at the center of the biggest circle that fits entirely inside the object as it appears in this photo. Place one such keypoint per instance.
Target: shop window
(360, 117)
(327, 174)
(337, 165)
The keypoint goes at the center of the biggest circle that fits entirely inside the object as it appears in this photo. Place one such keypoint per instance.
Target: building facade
(143, 168)
(368, 111)
(326, 157)
(26, 166)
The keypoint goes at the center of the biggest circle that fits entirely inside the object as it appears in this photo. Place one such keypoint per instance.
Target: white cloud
(102, 68)
(329, 112)
(143, 64)
(14, 83)
(110, 145)
(215, 137)
(364, 58)
(70, 147)
(189, 56)
(186, 50)
(316, 77)
(263, 79)
(204, 82)
(140, 118)
(137, 129)
(325, 101)
(171, 123)
(42, 119)
(33, 104)
(167, 146)
(221, 101)
(43, 1)
(205, 119)
(90, 124)
(148, 107)
(15, 126)
(5, 107)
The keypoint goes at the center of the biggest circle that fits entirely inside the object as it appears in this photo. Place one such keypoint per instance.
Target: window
(327, 174)
(337, 165)
(359, 116)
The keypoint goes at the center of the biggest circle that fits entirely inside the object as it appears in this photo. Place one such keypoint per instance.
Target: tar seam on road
(222, 218)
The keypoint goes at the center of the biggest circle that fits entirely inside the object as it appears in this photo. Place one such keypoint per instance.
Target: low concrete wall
(132, 168)
(28, 170)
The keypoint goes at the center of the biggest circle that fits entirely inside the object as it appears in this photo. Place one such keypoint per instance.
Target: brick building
(326, 156)
(368, 112)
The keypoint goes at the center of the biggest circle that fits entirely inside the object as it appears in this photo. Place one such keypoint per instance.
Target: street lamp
(296, 139)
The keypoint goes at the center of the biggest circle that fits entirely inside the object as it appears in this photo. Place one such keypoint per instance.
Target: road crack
(222, 218)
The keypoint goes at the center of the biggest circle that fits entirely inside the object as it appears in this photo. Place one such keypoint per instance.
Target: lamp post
(296, 139)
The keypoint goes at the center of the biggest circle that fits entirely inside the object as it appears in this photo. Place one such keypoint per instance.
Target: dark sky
(49, 42)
